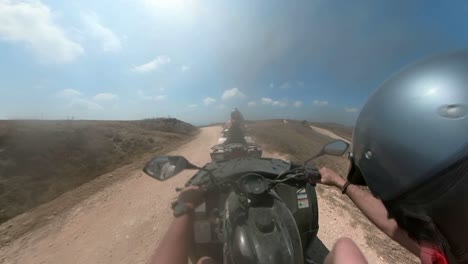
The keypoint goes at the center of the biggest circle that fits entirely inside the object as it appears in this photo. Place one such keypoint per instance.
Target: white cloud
(193, 106)
(351, 109)
(320, 103)
(297, 104)
(252, 103)
(269, 101)
(31, 23)
(144, 96)
(105, 97)
(232, 93)
(208, 100)
(266, 100)
(159, 97)
(280, 103)
(108, 40)
(221, 106)
(185, 68)
(84, 104)
(75, 99)
(285, 86)
(152, 65)
(68, 94)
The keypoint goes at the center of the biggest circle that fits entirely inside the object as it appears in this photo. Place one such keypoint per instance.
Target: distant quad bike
(231, 151)
(223, 151)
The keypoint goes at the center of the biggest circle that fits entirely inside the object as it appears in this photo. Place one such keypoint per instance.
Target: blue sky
(196, 60)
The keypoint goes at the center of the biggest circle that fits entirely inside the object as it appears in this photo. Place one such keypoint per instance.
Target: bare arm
(373, 209)
(345, 251)
(174, 247)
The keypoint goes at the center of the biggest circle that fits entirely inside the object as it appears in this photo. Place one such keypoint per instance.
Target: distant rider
(235, 128)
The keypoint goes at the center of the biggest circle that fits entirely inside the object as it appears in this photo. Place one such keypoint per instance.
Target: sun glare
(168, 4)
(172, 5)
(180, 9)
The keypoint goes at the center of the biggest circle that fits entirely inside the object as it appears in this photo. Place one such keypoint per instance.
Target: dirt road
(327, 133)
(120, 224)
(123, 222)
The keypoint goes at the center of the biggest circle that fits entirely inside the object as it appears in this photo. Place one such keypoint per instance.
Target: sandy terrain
(123, 222)
(328, 133)
(119, 224)
(43, 159)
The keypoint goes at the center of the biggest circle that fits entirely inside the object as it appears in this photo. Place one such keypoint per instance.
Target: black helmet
(414, 125)
(236, 115)
(410, 146)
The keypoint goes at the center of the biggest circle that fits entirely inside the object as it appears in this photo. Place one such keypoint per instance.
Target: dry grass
(297, 140)
(40, 160)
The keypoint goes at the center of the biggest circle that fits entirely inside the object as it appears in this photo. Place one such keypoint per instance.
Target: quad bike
(225, 133)
(256, 210)
(242, 146)
(223, 152)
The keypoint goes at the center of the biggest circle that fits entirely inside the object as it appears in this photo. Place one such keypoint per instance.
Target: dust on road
(328, 133)
(124, 222)
(120, 224)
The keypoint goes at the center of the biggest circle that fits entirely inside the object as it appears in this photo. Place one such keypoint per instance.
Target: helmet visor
(355, 175)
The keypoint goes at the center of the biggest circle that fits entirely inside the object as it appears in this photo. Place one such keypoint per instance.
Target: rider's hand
(330, 178)
(191, 196)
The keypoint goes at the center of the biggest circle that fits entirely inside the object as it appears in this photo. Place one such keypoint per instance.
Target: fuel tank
(260, 229)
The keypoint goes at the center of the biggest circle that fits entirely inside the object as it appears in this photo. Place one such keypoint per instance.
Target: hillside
(40, 160)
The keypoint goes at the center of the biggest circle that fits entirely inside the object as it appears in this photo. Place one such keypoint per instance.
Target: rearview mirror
(336, 148)
(165, 167)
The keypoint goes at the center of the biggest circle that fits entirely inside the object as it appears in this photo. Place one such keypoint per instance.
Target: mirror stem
(314, 157)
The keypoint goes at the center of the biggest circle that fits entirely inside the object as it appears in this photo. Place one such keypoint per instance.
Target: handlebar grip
(314, 176)
(294, 165)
